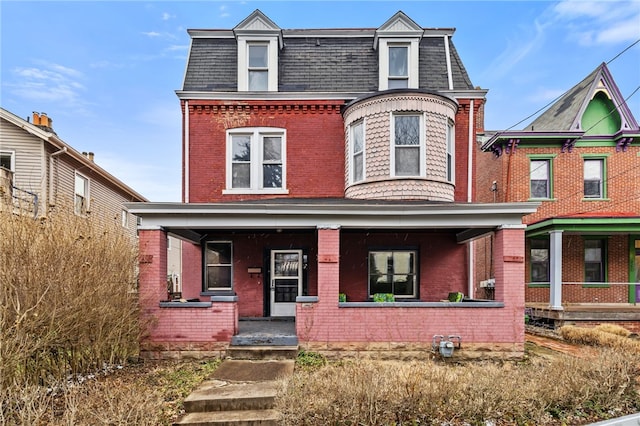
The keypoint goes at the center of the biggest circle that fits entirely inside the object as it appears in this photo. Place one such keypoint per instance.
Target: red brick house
(581, 159)
(323, 169)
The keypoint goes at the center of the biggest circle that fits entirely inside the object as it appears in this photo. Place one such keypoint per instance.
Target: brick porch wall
(177, 331)
(326, 327)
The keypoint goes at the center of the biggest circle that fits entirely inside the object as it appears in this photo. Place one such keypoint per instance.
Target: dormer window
(259, 40)
(397, 42)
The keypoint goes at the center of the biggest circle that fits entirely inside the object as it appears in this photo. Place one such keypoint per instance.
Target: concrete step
(216, 395)
(232, 418)
(262, 352)
(264, 339)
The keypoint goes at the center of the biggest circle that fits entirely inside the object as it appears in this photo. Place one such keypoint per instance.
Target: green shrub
(383, 297)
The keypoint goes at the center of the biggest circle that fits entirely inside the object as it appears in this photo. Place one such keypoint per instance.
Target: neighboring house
(580, 159)
(322, 169)
(42, 173)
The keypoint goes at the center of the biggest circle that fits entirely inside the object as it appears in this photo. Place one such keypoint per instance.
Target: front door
(286, 281)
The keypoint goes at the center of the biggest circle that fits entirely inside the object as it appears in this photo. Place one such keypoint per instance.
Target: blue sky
(106, 72)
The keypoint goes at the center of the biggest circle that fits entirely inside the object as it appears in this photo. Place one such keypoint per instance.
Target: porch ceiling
(470, 220)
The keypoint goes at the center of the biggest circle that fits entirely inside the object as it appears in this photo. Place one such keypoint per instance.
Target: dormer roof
(399, 25)
(258, 24)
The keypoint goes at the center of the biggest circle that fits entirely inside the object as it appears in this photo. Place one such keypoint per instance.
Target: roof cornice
(320, 32)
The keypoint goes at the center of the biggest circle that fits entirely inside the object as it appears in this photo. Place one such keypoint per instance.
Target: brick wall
(315, 143)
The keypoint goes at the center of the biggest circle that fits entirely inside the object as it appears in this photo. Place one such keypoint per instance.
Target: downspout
(472, 245)
(185, 190)
(51, 186)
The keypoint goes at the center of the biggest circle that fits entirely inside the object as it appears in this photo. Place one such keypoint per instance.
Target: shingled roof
(325, 60)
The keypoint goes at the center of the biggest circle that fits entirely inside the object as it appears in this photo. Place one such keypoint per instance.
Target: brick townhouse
(325, 170)
(581, 159)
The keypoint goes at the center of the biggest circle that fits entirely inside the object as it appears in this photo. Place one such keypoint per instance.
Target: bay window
(407, 154)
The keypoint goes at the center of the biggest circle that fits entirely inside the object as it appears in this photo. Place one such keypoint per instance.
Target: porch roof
(468, 220)
(602, 223)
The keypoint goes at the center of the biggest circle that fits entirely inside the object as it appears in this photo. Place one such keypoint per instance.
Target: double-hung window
(81, 200)
(594, 260)
(540, 260)
(398, 66)
(258, 66)
(539, 178)
(450, 152)
(218, 261)
(407, 153)
(357, 151)
(256, 160)
(594, 178)
(393, 271)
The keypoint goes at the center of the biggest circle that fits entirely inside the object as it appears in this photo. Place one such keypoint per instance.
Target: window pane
(407, 161)
(539, 189)
(593, 273)
(218, 277)
(392, 272)
(241, 148)
(592, 189)
(395, 83)
(5, 160)
(272, 149)
(80, 186)
(539, 170)
(539, 272)
(258, 55)
(241, 176)
(358, 168)
(272, 176)
(219, 253)
(592, 169)
(358, 143)
(398, 63)
(407, 130)
(258, 80)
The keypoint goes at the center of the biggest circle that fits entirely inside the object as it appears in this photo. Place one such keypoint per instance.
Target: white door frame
(284, 309)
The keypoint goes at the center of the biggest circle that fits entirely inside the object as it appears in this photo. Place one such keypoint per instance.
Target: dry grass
(600, 336)
(535, 392)
(613, 329)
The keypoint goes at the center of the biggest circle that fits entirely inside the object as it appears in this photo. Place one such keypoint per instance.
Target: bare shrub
(540, 391)
(66, 304)
(613, 329)
(597, 337)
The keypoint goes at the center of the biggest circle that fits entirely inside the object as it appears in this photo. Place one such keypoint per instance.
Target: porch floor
(576, 312)
(265, 332)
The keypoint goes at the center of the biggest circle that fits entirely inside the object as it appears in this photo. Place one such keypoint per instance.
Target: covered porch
(590, 273)
(321, 259)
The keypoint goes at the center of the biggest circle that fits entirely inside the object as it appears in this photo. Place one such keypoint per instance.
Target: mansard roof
(323, 60)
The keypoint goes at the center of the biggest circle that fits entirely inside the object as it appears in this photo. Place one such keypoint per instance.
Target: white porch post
(555, 295)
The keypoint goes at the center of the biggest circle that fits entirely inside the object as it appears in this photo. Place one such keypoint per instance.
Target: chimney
(36, 118)
(44, 120)
(90, 156)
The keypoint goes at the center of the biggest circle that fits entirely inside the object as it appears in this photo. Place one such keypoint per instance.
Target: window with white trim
(398, 74)
(398, 63)
(7, 160)
(81, 189)
(393, 271)
(407, 153)
(540, 260)
(256, 160)
(218, 261)
(357, 152)
(124, 217)
(258, 66)
(451, 159)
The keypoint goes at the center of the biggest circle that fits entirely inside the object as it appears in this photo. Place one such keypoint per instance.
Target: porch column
(328, 263)
(152, 246)
(555, 266)
(509, 265)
